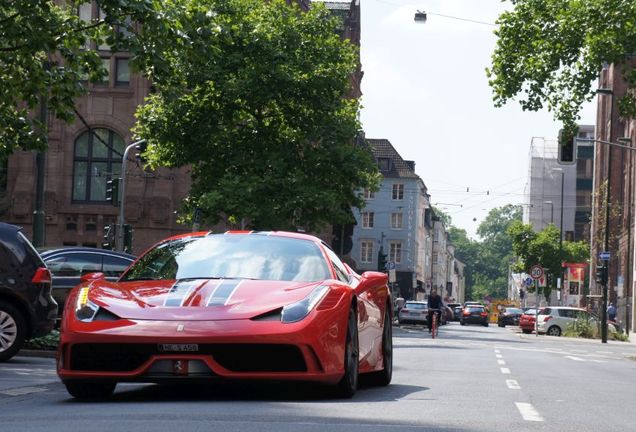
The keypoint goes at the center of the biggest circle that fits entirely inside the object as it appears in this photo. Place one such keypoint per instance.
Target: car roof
(290, 234)
(47, 253)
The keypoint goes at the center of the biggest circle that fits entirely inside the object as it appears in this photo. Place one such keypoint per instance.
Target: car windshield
(415, 305)
(530, 312)
(513, 311)
(474, 309)
(232, 256)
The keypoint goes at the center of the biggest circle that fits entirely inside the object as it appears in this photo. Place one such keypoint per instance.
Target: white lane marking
(498, 356)
(605, 352)
(505, 370)
(497, 351)
(501, 362)
(513, 384)
(23, 391)
(528, 412)
(574, 358)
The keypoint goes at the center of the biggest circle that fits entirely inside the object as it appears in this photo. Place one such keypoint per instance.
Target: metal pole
(607, 224)
(119, 242)
(536, 301)
(39, 217)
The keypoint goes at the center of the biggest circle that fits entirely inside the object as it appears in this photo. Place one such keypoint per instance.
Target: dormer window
(384, 164)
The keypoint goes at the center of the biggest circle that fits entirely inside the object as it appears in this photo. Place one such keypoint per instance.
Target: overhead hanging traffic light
(567, 148)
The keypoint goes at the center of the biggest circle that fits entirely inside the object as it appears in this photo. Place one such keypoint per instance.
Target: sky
(425, 90)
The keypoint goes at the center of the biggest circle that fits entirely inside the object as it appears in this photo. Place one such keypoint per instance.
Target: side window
(546, 311)
(74, 265)
(341, 271)
(114, 266)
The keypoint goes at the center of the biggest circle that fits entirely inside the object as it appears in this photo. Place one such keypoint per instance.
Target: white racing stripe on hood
(223, 292)
(180, 291)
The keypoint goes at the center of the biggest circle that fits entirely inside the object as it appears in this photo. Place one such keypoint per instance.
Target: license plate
(178, 347)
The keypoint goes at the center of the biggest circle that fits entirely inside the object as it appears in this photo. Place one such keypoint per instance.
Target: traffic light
(140, 149)
(109, 237)
(128, 238)
(567, 148)
(112, 191)
(342, 242)
(601, 274)
(381, 260)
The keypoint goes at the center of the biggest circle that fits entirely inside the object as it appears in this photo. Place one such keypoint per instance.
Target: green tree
(543, 249)
(251, 95)
(43, 56)
(549, 53)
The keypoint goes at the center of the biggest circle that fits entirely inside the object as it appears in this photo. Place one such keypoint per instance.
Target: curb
(36, 353)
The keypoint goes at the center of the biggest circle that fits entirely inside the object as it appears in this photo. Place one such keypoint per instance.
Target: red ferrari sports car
(239, 305)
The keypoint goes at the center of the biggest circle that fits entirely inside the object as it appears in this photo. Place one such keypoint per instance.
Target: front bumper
(155, 351)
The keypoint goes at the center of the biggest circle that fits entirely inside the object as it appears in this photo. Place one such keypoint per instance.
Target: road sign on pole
(528, 281)
(536, 272)
(604, 256)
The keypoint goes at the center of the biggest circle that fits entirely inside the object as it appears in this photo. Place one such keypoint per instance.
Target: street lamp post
(561, 279)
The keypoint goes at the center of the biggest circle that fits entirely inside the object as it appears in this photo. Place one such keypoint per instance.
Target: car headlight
(297, 311)
(85, 310)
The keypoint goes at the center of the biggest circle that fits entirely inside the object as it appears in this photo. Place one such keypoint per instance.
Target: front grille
(233, 357)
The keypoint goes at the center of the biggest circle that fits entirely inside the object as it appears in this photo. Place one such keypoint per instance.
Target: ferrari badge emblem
(179, 327)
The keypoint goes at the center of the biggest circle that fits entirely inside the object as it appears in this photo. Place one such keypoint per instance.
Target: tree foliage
(549, 53)
(543, 248)
(43, 56)
(251, 94)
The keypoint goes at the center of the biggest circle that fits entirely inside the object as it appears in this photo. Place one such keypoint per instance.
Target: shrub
(580, 328)
(48, 342)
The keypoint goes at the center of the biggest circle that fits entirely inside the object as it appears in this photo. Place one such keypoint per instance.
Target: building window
(384, 164)
(435, 257)
(96, 159)
(398, 192)
(395, 251)
(367, 219)
(369, 194)
(396, 220)
(366, 251)
(122, 73)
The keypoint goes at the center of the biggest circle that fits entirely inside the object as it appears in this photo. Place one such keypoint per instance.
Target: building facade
(393, 222)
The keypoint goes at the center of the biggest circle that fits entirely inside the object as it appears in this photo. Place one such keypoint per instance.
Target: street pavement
(469, 379)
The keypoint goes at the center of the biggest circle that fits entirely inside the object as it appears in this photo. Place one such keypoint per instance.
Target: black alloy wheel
(348, 385)
(383, 377)
(12, 331)
(554, 331)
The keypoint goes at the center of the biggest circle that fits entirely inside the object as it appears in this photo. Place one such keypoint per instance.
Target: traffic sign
(603, 255)
(390, 265)
(528, 281)
(536, 271)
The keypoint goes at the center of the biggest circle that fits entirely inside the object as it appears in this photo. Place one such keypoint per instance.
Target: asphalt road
(469, 379)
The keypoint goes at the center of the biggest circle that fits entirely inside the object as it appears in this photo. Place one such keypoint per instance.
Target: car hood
(196, 299)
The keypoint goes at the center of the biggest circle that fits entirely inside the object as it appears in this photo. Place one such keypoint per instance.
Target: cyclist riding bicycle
(435, 305)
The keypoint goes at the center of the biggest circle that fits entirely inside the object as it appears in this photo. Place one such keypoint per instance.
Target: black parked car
(474, 314)
(27, 309)
(509, 316)
(68, 264)
(456, 313)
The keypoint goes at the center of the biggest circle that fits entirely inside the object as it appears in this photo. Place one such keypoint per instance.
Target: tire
(87, 390)
(383, 377)
(485, 324)
(554, 331)
(526, 331)
(348, 385)
(462, 323)
(13, 331)
(502, 325)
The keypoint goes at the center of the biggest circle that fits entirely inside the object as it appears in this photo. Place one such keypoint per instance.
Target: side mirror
(374, 277)
(92, 276)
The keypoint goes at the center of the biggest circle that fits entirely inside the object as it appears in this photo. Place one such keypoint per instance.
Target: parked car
(69, 264)
(457, 311)
(509, 316)
(527, 319)
(414, 312)
(554, 320)
(473, 314)
(239, 305)
(27, 309)
(453, 307)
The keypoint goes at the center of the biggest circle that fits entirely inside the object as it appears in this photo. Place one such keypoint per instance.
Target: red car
(526, 321)
(239, 305)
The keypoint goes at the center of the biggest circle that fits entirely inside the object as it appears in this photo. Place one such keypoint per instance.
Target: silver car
(413, 312)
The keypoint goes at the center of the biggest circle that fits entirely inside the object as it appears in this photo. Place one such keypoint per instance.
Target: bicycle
(435, 322)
